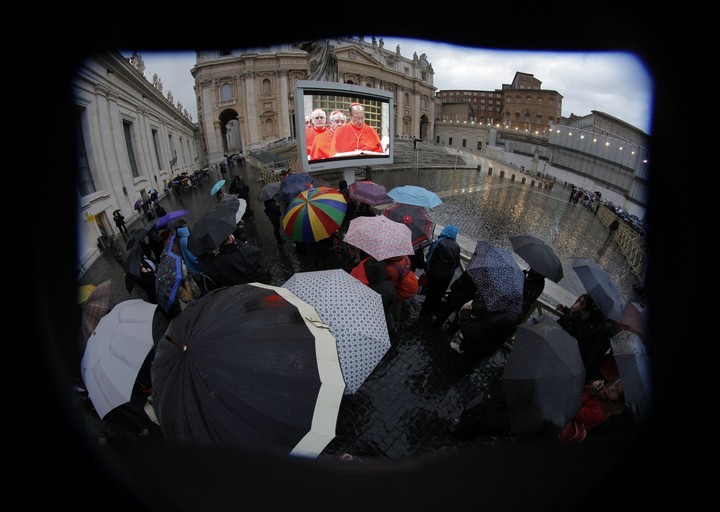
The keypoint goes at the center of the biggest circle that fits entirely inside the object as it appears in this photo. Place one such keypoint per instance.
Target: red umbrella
(416, 218)
(369, 192)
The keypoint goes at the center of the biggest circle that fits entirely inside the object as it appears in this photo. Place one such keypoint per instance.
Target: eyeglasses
(359, 118)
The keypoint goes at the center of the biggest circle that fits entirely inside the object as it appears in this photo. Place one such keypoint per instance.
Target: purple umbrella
(165, 219)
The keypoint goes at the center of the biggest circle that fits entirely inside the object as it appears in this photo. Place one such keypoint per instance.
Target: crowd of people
(172, 275)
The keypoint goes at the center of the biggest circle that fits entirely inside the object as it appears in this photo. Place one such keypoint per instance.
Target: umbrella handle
(317, 323)
(178, 345)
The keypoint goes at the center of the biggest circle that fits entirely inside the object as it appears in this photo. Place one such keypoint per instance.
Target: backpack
(407, 283)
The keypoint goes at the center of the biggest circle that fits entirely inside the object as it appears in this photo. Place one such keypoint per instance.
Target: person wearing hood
(182, 230)
(442, 261)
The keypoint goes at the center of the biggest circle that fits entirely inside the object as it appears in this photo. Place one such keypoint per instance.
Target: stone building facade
(522, 105)
(130, 137)
(245, 97)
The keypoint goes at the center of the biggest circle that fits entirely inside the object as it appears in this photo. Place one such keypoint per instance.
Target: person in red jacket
(600, 401)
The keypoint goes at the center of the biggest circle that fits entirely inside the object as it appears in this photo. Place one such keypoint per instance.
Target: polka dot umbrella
(497, 276)
(314, 214)
(355, 316)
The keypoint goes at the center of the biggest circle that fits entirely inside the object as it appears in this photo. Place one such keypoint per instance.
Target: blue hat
(450, 232)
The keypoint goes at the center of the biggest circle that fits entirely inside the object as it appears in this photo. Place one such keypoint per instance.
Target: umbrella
(293, 185)
(419, 196)
(539, 255)
(599, 286)
(544, 377)
(634, 318)
(497, 277)
(379, 237)
(633, 364)
(95, 307)
(169, 276)
(84, 292)
(314, 214)
(115, 352)
(216, 187)
(416, 218)
(133, 250)
(268, 191)
(165, 219)
(211, 230)
(369, 192)
(245, 367)
(355, 315)
(235, 204)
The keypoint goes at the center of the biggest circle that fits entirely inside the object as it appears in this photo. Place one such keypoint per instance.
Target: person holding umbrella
(273, 212)
(588, 325)
(442, 260)
(234, 263)
(120, 223)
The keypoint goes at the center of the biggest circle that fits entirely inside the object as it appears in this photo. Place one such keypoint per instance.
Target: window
(479, 145)
(266, 87)
(86, 185)
(156, 145)
(464, 143)
(226, 93)
(127, 128)
(450, 141)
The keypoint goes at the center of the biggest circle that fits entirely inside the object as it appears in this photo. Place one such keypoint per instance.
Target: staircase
(430, 155)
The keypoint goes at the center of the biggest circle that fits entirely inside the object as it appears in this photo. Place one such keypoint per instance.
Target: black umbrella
(497, 276)
(599, 286)
(211, 230)
(416, 218)
(293, 185)
(246, 367)
(268, 191)
(539, 255)
(133, 249)
(544, 377)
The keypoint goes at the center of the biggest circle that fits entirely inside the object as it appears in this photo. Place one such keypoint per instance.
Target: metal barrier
(631, 243)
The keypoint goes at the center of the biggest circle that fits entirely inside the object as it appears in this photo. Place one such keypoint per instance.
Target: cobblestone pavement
(405, 407)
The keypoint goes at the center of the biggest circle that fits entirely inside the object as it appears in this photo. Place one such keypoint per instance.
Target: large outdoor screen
(342, 125)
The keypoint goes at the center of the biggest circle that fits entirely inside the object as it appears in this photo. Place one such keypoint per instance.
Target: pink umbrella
(379, 237)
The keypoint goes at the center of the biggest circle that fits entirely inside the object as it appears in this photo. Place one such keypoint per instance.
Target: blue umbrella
(497, 276)
(293, 185)
(419, 196)
(165, 219)
(217, 187)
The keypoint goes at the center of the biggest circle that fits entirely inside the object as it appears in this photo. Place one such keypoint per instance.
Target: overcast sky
(615, 83)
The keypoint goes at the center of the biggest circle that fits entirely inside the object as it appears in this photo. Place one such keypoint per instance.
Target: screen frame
(353, 93)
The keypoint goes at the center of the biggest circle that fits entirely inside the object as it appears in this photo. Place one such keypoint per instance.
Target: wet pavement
(404, 409)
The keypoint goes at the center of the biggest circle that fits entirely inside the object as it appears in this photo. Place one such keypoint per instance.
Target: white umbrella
(355, 315)
(115, 352)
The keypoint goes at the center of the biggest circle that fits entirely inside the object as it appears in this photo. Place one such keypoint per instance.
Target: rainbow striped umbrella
(314, 214)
